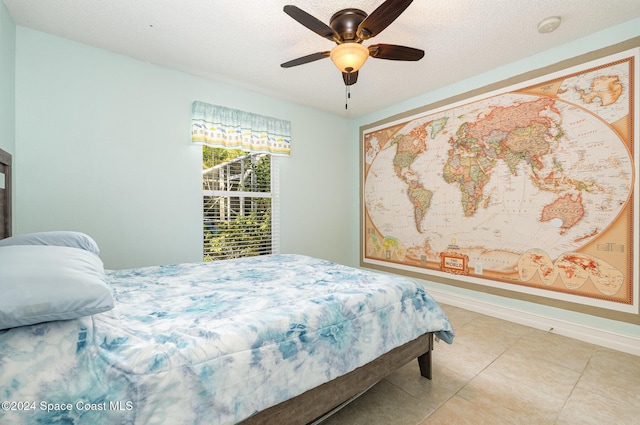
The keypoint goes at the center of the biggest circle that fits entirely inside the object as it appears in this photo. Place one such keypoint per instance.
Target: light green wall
(7, 80)
(103, 147)
(593, 42)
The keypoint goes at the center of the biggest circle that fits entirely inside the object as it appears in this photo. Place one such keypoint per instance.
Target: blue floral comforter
(209, 343)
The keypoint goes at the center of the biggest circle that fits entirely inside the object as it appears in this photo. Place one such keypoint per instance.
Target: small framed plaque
(454, 262)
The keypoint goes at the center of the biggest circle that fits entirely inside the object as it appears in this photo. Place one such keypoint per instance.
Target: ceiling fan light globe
(349, 57)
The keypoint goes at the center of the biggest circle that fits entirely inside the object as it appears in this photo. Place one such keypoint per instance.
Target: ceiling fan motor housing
(345, 22)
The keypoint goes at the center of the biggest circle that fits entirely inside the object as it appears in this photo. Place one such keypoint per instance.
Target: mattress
(209, 343)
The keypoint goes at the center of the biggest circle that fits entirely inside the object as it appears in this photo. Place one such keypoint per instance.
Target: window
(239, 179)
(240, 203)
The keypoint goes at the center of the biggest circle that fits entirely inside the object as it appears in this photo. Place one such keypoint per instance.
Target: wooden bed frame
(318, 403)
(314, 405)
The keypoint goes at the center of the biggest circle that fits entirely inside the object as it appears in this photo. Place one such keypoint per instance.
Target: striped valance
(222, 127)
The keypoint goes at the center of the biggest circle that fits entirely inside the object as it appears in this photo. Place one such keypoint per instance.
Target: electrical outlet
(477, 268)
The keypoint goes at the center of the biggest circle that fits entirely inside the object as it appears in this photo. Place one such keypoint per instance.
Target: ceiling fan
(348, 28)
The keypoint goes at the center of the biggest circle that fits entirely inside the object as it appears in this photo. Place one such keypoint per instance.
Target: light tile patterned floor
(498, 372)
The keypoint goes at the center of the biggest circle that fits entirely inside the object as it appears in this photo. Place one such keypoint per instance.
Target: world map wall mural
(531, 188)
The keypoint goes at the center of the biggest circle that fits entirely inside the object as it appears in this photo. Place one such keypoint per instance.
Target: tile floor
(498, 372)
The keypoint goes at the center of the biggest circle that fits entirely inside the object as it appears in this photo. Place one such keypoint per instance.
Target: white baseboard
(615, 341)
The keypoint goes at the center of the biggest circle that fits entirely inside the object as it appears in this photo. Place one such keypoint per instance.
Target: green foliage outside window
(241, 237)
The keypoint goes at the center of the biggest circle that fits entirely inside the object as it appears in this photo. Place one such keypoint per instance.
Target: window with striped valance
(240, 180)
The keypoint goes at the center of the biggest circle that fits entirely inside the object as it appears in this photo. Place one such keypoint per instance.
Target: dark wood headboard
(5, 194)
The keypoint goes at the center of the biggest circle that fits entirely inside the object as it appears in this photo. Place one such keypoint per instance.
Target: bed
(272, 339)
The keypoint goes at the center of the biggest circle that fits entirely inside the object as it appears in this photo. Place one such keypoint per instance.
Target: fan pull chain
(347, 96)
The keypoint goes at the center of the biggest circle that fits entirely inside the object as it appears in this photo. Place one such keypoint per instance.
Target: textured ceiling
(243, 42)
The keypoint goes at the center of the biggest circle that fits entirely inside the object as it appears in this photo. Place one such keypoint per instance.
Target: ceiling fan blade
(350, 78)
(396, 53)
(380, 18)
(306, 59)
(311, 22)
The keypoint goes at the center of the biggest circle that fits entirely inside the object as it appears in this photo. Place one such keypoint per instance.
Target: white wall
(103, 147)
(623, 336)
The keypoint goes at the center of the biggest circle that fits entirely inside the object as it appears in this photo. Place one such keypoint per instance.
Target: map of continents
(514, 181)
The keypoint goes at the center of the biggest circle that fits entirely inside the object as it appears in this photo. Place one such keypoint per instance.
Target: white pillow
(41, 283)
(55, 238)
